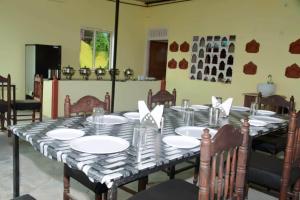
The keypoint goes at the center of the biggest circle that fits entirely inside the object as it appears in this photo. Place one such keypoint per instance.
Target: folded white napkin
(153, 117)
(225, 106)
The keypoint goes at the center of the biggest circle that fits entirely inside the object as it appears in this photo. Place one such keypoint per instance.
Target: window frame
(111, 44)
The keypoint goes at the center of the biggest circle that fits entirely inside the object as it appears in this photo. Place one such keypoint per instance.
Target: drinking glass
(185, 103)
(253, 108)
(139, 137)
(188, 117)
(213, 116)
(98, 113)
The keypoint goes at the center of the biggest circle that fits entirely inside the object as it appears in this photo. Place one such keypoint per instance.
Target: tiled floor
(42, 177)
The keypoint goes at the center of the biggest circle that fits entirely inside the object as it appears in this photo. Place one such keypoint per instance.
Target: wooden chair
(83, 106)
(35, 104)
(280, 177)
(162, 97)
(275, 142)
(216, 181)
(5, 100)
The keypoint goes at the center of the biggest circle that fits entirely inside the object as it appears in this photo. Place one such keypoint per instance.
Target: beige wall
(273, 23)
(59, 22)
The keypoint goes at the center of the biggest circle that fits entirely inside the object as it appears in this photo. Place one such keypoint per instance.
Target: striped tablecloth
(122, 167)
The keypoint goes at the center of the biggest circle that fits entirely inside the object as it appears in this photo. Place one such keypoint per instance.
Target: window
(95, 48)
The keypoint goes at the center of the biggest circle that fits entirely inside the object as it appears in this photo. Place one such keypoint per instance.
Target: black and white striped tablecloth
(122, 167)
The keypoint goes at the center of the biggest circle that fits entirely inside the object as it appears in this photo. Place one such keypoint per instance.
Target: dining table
(116, 169)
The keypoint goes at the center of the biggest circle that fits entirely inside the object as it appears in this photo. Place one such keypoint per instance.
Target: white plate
(132, 115)
(255, 122)
(240, 108)
(177, 108)
(99, 144)
(268, 119)
(265, 112)
(199, 107)
(194, 131)
(181, 141)
(109, 120)
(65, 133)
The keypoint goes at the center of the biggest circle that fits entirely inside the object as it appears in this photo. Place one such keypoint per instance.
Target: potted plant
(267, 89)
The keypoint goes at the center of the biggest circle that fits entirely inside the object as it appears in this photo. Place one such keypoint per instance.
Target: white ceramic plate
(109, 120)
(65, 134)
(132, 115)
(194, 131)
(99, 144)
(255, 122)
(199, 107)
(181, 141)
(177, 108)
(265, 112)
(240, 108)
(268, 119)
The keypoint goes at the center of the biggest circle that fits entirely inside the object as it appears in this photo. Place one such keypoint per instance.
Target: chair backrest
(5, 98)
(85, 105)
(162, 97)
(223, 163)
(38, 88)
(276, 103)
(291, 153)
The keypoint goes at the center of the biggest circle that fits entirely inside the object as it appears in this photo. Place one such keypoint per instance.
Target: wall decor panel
(212, 58)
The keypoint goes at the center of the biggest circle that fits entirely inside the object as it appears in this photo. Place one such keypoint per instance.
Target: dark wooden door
(158, 59)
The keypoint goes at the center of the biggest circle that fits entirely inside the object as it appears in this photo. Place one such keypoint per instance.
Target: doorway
(158, 50)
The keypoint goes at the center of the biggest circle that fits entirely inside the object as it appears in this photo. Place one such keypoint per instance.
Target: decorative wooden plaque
(295, 47)
(212, 58)
(292, 71)
(174, 47)
(172, 64)
(184, 47)
(252, 47)
(250, 68)
(183, 64)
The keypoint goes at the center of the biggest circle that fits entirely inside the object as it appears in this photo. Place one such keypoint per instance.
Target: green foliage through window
(95, 48)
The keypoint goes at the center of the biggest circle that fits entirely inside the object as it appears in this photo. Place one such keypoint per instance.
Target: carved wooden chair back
(276, 103)
(5, 100)
(291, 157)
(223, 163)
(85, 105)
(162, 97)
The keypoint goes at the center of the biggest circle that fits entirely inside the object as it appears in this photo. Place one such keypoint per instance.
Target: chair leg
(66, 184)
(196, 171)
(297, 190)
(41, 115)
(33, 116)
(171, 172)
(105, 196)
(98, 196)
(2, 120)
(142, 183)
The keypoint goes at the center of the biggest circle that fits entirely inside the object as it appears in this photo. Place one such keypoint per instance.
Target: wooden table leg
(112, 193)
(16, 166)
